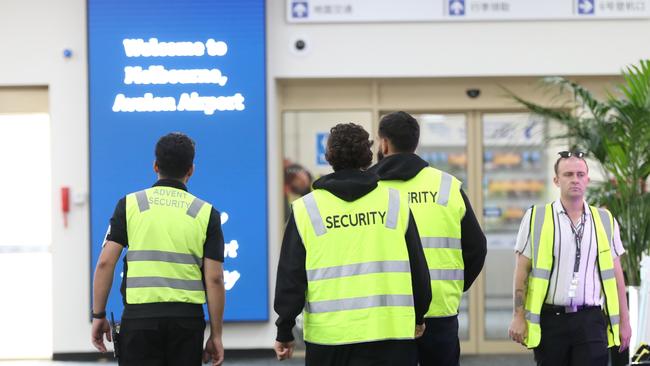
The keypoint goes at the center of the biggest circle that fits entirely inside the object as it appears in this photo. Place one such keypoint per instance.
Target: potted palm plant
(615, 132)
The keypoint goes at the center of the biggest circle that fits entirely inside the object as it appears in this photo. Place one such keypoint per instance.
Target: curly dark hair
(348, 147)
(174, 155)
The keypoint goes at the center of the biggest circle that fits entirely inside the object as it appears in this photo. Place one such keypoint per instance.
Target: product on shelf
(513, 213)
(457, 160)
(515, 188)
(507, 159)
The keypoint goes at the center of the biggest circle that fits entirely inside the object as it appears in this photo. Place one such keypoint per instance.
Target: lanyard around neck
(578, 232)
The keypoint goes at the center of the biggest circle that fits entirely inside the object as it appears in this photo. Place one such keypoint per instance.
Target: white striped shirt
(588, 291)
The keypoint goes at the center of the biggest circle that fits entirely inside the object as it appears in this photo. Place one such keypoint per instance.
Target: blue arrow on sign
(299, 9)
(586, 7)
(321, 147)
(456, 7)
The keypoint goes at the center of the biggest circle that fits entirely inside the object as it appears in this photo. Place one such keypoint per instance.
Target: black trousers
(161, 341)
(383, 353)
(439, 346)
(573, 339)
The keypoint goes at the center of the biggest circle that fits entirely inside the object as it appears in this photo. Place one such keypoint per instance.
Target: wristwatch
(101, 315)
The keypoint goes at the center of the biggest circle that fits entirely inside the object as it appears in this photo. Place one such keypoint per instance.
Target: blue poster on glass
(198, 67)
(321, 148)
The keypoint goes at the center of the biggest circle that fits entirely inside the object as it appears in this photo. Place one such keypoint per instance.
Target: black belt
(558, 309)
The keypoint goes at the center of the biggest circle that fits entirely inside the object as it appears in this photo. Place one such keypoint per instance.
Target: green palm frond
(616, 133)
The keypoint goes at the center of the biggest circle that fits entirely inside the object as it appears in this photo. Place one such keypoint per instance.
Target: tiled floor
(496, 360)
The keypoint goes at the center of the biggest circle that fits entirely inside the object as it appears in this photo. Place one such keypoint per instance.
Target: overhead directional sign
(351, 11)
(586, 7)
(456, 7)
(299, 9)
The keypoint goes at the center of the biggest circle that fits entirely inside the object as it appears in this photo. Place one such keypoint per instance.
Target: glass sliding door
(443, 143)
(25, 245)
(515, 176)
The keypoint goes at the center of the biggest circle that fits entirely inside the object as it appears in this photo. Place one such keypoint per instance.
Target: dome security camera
(473, 93)
(300, 45)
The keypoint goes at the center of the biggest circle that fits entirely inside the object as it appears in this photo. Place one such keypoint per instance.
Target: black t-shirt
(213, 248)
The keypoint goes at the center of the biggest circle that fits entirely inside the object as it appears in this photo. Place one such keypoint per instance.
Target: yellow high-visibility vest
(542, 239)
(438, 208)
(166, 229)
(358, 271)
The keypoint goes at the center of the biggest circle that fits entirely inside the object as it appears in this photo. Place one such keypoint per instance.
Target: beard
(380, 156)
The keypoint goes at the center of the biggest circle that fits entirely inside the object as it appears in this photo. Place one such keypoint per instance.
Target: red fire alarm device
(65, 204)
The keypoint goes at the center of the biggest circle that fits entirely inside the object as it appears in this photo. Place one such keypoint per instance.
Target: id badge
(574, 286)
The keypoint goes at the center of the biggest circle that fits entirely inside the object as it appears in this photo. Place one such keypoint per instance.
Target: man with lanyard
(454, 244)
(172, 266)
(569, 290)
(352, 259)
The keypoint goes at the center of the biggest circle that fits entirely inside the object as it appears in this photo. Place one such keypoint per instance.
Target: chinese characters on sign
(341, 11)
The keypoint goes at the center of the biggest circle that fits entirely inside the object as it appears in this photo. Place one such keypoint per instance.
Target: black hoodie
(472, 240)
(291, 282)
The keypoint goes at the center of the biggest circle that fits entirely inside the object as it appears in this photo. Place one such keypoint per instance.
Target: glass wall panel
(443, 143)
(515, 176)
(25, 244)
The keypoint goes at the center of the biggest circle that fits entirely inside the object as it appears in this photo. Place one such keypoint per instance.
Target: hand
(419, 330)
(518, 329)
(213, 351)
(284, 350)
(100, 327)
(625, 332)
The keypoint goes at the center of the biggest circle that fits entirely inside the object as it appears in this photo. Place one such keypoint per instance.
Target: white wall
(454, 49)
(33, 34)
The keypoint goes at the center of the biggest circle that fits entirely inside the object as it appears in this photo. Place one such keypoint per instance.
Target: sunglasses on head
(568, 154)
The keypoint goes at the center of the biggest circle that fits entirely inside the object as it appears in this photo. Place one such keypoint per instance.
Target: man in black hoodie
(454, 244)
(352, 259)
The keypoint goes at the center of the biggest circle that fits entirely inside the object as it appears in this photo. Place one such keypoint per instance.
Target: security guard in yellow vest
(569, 290)
(352, 262)
(454, 244)
(172, 266)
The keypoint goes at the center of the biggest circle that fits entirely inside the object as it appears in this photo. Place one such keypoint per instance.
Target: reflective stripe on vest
(447, 274)
(358, 303)
(358, 269)
(166, 228)
(314, 214)
(445, 188)
(195, 207)
(438, 209)
(538, 281)
(143, 203)
(191, 285)
(542, 239)
(359, 276)
(604, 224)
(160, 256)
(440, 243)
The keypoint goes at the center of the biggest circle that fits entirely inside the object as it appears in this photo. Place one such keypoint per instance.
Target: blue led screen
(196, 67)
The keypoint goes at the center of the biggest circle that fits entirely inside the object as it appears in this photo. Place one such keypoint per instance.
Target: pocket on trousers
(598, 331)
(140, 339)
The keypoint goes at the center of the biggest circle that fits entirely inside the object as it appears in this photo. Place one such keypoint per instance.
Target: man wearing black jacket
(453, 241)
(352, 259)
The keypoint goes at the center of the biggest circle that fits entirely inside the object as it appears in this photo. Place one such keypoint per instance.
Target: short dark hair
(557, 163)
(175, 155)
(348, 147)
(402, 130)
(292, 170)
